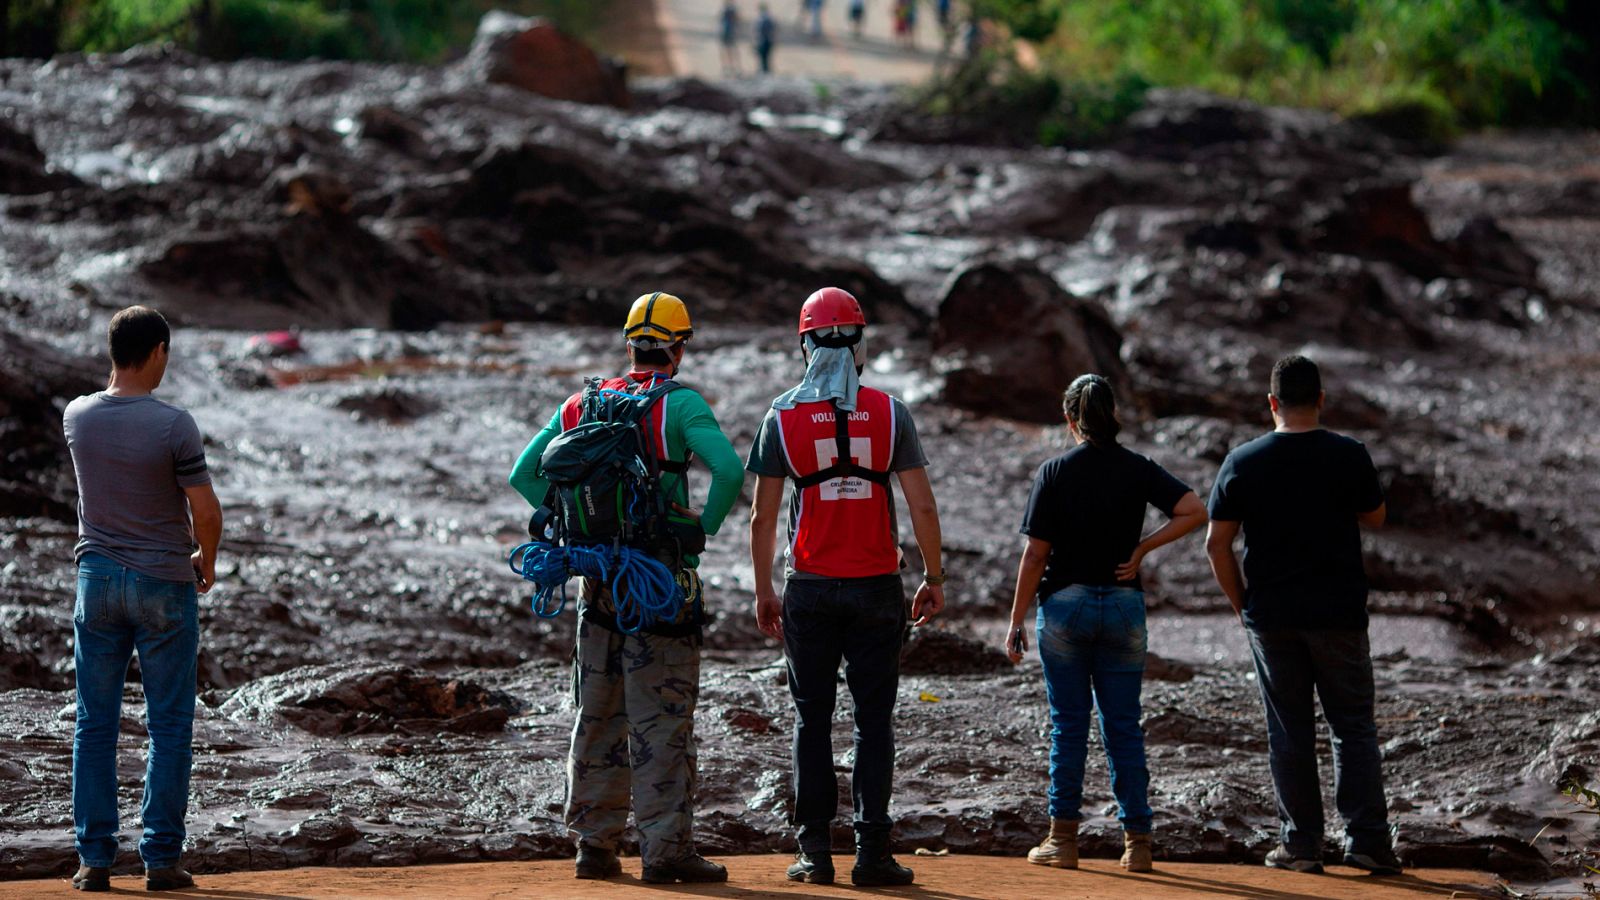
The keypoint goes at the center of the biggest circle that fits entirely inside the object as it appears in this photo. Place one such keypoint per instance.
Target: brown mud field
(375, 690)
(947, 878)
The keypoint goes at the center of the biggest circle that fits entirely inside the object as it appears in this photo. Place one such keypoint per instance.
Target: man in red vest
(839, 442)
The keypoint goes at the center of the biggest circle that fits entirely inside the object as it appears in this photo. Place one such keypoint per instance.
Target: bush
(1013, 104)
(279, 29)
(1422, 68)
(402, 30)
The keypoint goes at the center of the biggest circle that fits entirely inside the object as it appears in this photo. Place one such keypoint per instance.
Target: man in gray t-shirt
(148, 529)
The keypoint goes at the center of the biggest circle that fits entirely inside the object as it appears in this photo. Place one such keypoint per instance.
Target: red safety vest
(842, 522)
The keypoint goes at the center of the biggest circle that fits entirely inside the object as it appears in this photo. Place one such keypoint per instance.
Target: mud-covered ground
(375, 689)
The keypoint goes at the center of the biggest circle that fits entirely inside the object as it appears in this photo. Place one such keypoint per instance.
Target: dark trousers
(860, 621)
(1337, 665)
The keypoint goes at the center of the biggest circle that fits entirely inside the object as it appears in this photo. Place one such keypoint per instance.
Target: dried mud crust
(374, 688)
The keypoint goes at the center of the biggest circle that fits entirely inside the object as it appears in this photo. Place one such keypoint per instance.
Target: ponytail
(1091, 407)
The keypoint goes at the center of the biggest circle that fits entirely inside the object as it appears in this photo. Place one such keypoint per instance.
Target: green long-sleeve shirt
(691, 428)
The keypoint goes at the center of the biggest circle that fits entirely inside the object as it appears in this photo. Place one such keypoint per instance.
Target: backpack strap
(844, 464)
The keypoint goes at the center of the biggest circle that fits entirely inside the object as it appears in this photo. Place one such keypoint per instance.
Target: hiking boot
(1060, 849)
(695, 869)
(1281, 858)
(595, 864)
(1136, 852)
(167, 878)
(92, 878)
(878, 869)
(812, 868)
(1381, 861)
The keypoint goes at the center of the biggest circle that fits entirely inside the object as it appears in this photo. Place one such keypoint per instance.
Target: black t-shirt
(1089, 504)
(1297, 496)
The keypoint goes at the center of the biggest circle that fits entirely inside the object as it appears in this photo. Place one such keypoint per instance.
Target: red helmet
(829, 307)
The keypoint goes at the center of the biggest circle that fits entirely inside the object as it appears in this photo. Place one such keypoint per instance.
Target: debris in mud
(1010, 339)
(36, 383)
(388, 404)
(938, 651)
(330, 701)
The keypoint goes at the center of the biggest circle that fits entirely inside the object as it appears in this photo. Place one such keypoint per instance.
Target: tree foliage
(1434, 65)
(402, 30)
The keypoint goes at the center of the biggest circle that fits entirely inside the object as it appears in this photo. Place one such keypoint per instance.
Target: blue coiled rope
(642, 588)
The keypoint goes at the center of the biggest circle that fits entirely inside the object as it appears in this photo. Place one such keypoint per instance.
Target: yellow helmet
(657, 320)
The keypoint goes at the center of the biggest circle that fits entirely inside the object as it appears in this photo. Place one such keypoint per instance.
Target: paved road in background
(693, 29)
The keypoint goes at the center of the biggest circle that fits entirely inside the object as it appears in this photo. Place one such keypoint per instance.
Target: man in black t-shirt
(1301, 495)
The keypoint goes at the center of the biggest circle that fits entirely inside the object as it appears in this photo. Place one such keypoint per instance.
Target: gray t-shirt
(767, 458)
(133, 457)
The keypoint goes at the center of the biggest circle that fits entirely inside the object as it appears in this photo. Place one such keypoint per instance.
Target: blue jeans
(1290, 664)
(861, 622)
(1092, 641)
(117, 611)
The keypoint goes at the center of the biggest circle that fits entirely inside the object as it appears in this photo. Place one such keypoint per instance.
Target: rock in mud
(1010, 339)
(535, 55)
(388, 404)
(36, 383)
(331, 701)
(23, 166)
(934, 651)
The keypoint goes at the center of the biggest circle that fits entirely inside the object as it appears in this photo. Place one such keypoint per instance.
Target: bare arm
(1035, 555)
(1224, 564)
(1374, 518)
(763, 545)
(206, 512)
(1187, 515)
(925, 525)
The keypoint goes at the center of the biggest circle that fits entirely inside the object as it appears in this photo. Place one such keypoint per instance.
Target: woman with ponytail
(1083, 525)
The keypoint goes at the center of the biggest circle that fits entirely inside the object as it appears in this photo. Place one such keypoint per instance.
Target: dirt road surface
(944, 878)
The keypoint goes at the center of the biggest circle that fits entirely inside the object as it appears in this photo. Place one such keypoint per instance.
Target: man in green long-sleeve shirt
(636, 693)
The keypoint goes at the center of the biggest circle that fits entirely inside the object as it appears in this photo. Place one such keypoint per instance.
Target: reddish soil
(947, 878)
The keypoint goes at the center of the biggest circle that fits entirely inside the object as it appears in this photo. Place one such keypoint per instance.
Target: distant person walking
(1082, 557)
(148, 528)
(858, 17)
(905, 23)
(841, 443)
(815, 7)
(766, 38)
(1301, 495)
(729, 39)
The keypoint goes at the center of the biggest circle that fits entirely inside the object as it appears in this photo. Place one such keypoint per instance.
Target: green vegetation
(408, 30)
(1588, 860)
(1422, 68)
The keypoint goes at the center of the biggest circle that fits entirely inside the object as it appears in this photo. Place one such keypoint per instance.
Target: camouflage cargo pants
(634, 730)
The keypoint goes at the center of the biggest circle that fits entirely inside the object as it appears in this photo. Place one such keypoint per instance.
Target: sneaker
(1281, 858)
(812, 868)
(596, 864)
(1378, 862)
(167, 878)
(695, 869)
(92, 878)
(880, 871)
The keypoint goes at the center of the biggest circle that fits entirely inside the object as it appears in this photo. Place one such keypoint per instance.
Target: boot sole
(597, 876)
(92, 887)
(812, 878)
(1054, 863)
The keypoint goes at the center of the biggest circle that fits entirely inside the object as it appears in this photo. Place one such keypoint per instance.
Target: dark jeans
(117, 611)
(1092, 642)
(1290, 664)
(862, 622)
